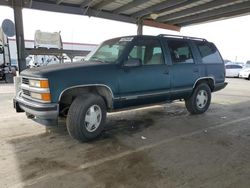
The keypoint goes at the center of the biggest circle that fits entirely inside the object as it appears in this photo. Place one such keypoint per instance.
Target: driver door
(149, 82)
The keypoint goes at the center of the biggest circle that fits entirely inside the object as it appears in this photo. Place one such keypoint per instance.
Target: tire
(200, 99)
(91, 107)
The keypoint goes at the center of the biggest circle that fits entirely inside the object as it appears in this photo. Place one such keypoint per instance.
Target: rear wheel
(86, 117)
(200, 99)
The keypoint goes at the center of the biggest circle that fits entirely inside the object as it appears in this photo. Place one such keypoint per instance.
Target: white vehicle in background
(233, 70)
(42, 60)
(245, 73)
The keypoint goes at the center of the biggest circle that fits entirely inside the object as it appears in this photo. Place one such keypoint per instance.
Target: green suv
(122, 72)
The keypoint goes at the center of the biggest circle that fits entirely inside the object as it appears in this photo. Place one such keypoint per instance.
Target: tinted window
(209, 53)
(233, 67)
(180, 52)
(236, 67)
(148, 51)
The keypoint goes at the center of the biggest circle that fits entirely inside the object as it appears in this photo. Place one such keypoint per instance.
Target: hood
(45, 71)
(63, 76)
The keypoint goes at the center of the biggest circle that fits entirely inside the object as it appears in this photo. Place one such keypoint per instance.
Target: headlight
(39, 83)
(38, 89)
(41, 96)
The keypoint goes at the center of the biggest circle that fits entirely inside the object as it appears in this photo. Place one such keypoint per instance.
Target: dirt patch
(127, 127)
(224, 143)
(169, 111)
(130, 171)
(39, 166)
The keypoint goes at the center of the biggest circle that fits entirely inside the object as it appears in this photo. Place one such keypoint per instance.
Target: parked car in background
(233, 70)
(245, 73)
(235, 63)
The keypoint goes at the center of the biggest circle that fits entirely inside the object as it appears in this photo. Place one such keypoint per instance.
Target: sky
(231, 36)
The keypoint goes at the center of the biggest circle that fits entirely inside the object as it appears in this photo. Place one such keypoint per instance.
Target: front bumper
(46, 114)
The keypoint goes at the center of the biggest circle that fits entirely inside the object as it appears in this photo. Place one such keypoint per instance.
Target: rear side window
(209, 53)
(180, 52)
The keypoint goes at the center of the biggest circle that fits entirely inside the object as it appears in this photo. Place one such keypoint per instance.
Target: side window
(138, 52)
(229, 66)
(236, 67)
(209, 53)
(180, 52)
(148, 51)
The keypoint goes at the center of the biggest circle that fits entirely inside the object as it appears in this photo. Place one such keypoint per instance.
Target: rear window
(209, 53)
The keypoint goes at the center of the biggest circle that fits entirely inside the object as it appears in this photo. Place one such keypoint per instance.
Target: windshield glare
(109, 51)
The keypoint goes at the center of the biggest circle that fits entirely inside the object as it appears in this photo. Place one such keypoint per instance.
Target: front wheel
(86, 117)
(200, 99)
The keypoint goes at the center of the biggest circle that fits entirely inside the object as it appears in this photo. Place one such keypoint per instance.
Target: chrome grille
(26, 92)
(25, 81)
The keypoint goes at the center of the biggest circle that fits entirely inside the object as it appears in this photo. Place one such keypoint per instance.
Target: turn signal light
(44, 83)
(46, 96)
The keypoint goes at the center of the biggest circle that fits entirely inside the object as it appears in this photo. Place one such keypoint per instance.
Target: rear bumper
(46, 114)
(220, 86)
(244, 75)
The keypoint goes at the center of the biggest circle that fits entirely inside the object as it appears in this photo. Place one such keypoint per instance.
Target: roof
(169, 14)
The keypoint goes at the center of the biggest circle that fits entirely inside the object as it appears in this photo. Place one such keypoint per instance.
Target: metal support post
(17, 6)
(140, 27)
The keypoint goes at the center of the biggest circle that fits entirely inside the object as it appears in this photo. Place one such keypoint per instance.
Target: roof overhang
(170, 14)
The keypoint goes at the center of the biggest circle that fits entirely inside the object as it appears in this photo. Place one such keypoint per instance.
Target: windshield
(247, 65)
(109, 51)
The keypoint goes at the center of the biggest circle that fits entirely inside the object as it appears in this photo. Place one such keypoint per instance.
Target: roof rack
(180, 36)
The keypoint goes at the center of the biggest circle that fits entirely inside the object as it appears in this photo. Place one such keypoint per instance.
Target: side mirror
(133, 62)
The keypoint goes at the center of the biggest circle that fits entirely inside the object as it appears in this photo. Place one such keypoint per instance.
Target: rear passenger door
(184, 68)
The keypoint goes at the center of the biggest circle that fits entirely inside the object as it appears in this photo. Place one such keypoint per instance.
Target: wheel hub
(93, 118)
(201, 99)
